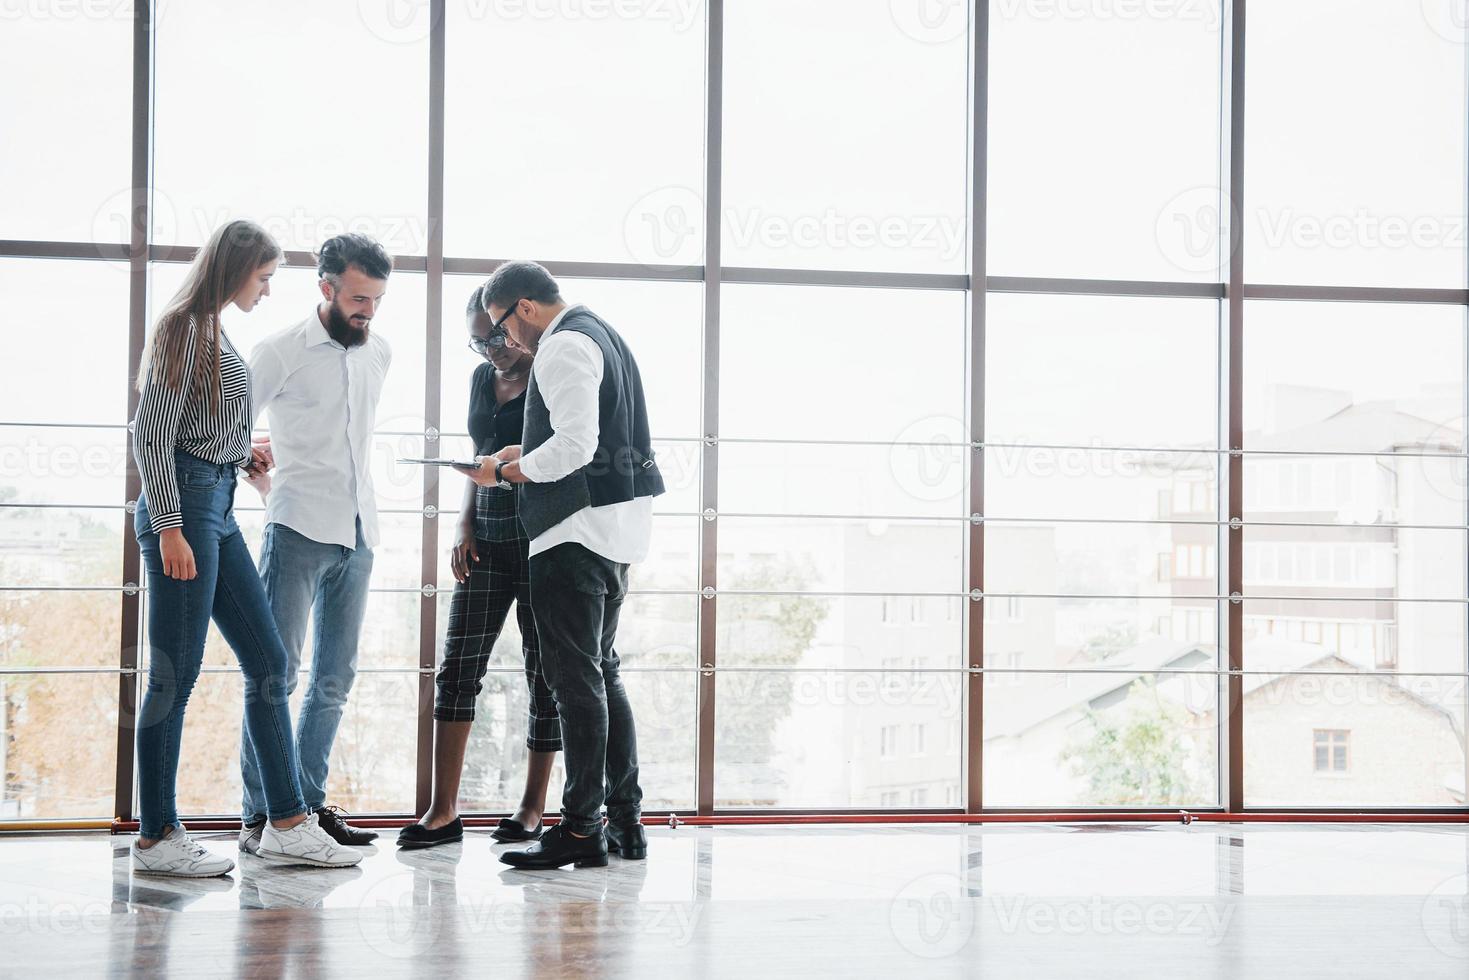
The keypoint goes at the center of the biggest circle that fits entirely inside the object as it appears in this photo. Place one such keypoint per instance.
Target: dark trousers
(477, 614)
(577, 596)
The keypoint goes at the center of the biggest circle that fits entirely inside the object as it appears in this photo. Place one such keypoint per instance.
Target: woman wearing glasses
(490, 560)
(192, 439)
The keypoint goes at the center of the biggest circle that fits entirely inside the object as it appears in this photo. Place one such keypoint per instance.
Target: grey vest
(622, 467)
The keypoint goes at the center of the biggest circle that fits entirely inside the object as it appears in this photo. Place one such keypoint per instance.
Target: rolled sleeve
(568, 373)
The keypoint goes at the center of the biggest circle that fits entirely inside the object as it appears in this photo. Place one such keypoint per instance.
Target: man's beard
(341, 329)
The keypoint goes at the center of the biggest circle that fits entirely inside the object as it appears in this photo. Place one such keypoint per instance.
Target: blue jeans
(227, 589)
(326, 583)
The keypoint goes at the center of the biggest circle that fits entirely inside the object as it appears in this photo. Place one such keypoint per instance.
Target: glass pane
(77, 345)
(519, 137)
(1355, 144)
(54, 547)
(1080, 633)
(1100, 739)
(1387, 741)
(1101, 559)
(768, 554)
(827, 163)
(1282, 635)
(1353, 377)
(889, 364)
(59, 745)
(297, 167)
(888, 632)
(1118, 371)
(1358, 490)
(64, 465)
(887, 481)
(665, 708)
(66, 171)
(877, 740)
(1356, 562)
(1147, 213)
(1099, 484)
(59, 629)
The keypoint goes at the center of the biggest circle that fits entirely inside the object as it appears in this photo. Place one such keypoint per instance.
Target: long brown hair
(220, 270)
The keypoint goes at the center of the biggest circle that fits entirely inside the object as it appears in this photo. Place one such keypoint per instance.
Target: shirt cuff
(531, 472)
(162, 522)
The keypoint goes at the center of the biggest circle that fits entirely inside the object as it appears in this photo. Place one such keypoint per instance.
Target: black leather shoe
(416, 835)
(557, 848)
(330, 818)
(628, 840)
(513, 831)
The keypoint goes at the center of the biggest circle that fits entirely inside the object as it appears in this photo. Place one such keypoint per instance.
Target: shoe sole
(595, 862)
(275, 857)
(418, 845)
(183, 874)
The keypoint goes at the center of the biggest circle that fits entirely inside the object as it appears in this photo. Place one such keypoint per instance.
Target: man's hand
(262, 460)
(258, 478)
(509, 453)
(484, 475)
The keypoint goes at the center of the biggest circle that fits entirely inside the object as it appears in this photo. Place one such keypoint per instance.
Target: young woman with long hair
(191, 440)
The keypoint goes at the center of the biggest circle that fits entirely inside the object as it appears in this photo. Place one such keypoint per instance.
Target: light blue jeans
(327, 585)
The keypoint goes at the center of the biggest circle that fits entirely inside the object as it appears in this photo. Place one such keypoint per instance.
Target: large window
(1057, 522)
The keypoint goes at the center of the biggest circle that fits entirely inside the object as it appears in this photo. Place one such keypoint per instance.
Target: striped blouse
(170, 418)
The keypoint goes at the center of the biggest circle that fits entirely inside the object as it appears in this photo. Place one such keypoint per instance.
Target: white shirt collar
(559, 317)
(316, 332)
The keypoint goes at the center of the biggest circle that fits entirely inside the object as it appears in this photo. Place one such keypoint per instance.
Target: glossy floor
(1083, 900)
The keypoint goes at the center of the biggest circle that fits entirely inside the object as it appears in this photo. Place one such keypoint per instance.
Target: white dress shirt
(322, 401)
(568, 372)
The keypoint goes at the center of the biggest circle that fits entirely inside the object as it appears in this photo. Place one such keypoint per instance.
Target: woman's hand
(464, 551)
(178, 557)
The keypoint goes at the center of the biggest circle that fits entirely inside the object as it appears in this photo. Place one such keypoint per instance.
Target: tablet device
(467, 464)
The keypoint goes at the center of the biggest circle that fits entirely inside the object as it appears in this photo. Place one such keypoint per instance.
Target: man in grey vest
(586, 462)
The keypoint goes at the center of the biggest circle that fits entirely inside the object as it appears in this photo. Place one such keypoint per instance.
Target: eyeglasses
(497, 337)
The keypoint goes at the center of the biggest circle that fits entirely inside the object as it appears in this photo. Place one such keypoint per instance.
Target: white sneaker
(250, 838)
(181, 856)
(305, 843)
